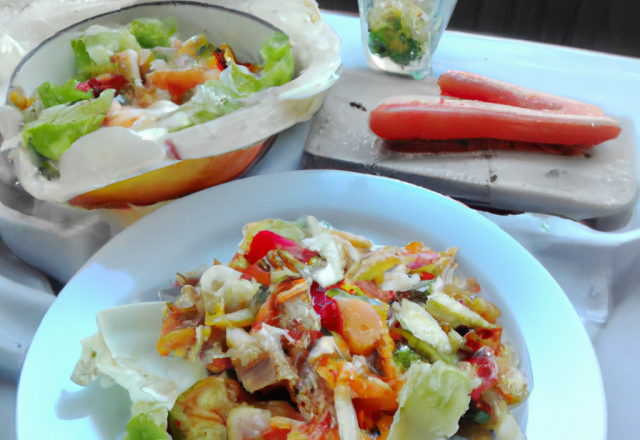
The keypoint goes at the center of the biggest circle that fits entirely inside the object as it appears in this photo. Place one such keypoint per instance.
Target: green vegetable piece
(51, 94)
(58, 127)
(101, 43)
(390, 36)
(278, 68)
(405, 357)
(431, 402)
(49, 170)
(426, 350)
(84, 65)
(151, 33)
(258, 299)
(142, 427)
(94, 49)
(477, 415)
(450, 312)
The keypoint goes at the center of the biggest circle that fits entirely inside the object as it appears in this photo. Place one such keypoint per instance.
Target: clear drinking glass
(400, 36)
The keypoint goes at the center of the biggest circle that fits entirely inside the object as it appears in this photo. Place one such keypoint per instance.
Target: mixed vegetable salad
(314, 333)
(142, 77)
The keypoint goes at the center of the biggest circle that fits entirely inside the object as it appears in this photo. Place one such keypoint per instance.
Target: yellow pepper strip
(20, 101)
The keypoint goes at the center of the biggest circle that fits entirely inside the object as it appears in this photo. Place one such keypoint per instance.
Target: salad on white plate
(312, 332)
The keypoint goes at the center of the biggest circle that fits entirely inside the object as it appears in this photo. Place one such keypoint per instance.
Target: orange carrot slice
(466, 85)
(441, 118)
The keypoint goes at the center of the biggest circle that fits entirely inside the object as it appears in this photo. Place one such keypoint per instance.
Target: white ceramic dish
(567, 400)
(56, 239)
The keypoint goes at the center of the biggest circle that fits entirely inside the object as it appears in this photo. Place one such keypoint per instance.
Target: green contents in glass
(392, 35)
(400, 36)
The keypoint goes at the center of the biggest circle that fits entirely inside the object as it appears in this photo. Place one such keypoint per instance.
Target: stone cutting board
(600, 188)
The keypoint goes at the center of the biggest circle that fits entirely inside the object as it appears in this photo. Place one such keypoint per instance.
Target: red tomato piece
(265, 241)
(327, 308)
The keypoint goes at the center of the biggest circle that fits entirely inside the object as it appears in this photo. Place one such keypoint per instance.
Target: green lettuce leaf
(51, 94)
(431, 402)
(95, 47)
(278, 69)
(152, 33)
(84, 65)
(58, 127)
(142, 427)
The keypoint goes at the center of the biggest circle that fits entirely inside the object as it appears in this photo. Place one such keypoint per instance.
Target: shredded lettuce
(51, 94)
(59, 126)
(152, 33)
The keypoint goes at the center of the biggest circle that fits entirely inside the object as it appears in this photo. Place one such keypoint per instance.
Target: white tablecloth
(25, 294)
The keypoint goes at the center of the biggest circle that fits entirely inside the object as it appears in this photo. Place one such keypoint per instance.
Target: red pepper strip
(468, 85)
(424, 276)
(327, 308)
(265, 241)
(116, 82)
(439, 118)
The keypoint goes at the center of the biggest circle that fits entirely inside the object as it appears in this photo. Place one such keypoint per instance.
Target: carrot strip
(441, 118)
(466, 85)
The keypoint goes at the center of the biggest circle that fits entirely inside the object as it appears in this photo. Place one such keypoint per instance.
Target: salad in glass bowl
(311, 332)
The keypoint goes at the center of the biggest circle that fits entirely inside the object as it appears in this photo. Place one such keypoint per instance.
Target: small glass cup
(400, 36)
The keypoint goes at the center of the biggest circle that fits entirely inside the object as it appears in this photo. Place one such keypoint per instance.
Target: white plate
(567, 400)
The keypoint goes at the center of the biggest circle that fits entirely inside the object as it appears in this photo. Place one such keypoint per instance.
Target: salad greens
(152, 33)
(68, 93)
(59, 126)
(142, 77)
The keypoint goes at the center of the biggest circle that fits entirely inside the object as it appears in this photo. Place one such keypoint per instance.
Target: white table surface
(526, 63)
